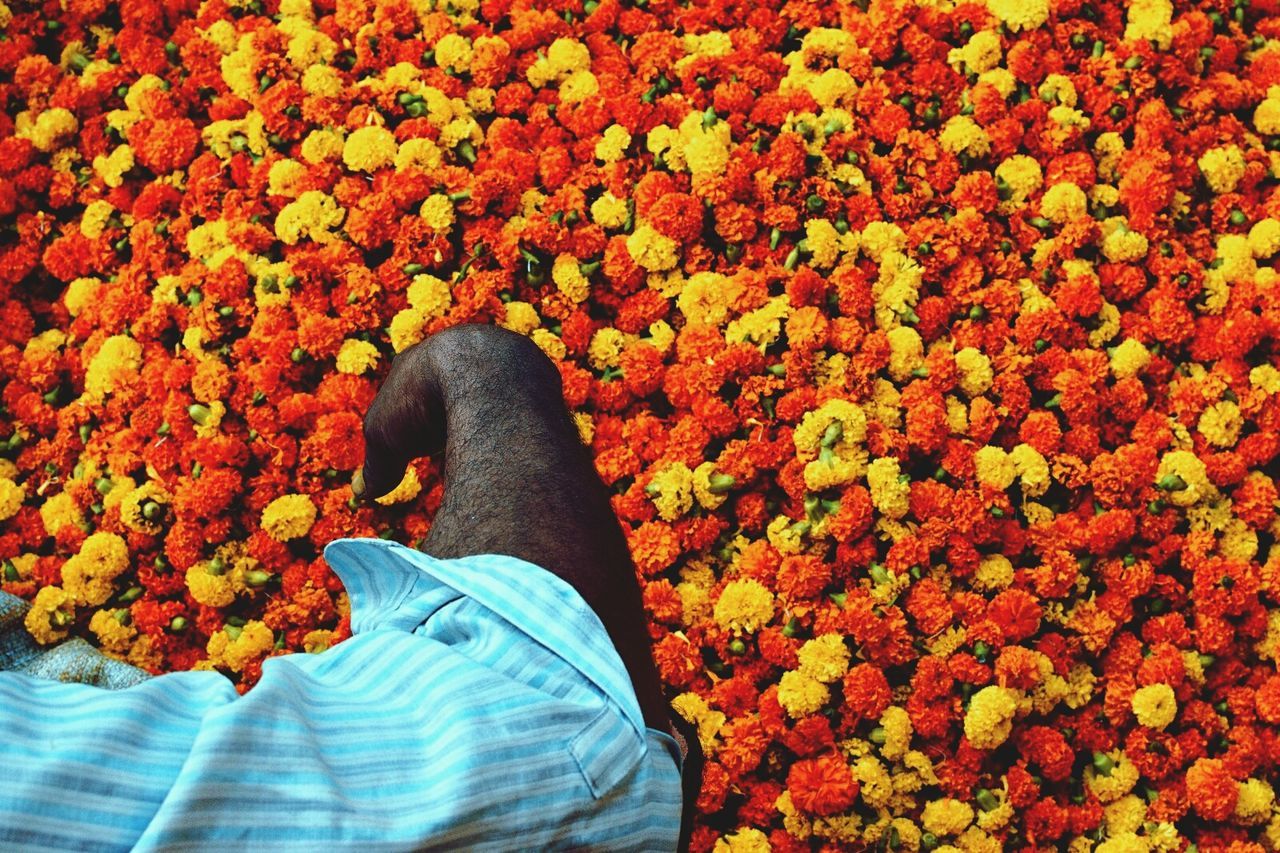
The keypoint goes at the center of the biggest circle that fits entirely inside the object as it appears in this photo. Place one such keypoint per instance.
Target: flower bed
(929, 351)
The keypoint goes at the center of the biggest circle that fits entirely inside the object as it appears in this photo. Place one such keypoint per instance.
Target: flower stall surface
(928, 349)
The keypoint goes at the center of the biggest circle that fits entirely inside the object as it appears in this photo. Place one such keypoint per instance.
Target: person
(498, 691)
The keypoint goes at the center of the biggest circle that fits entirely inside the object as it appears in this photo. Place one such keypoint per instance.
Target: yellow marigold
(1116, 782)
(1032, 468)
(831, 87)
(60, 510)
(710, 489)
(319, 640)
(1124, 245)
(1060, 88)
(606, 346)
(116, 362)
(569, 279)
(309, 48)
(47, 129)
(1122, 842)
(1183, 478)
(321, 145)
(706, 298)
(1266, 117)
(651, 249)
(706, 150)
(1265, 377)
(1020, 14)
(369, 149)
(288, 517)
(437, 212)
(695, 710)
(1255, 801)
(989, 720)
(1150, 20)
(11, 497)
(613, 144)
(233, 648)
(800, 694)
(976, 373)
(672, 491)
(1236, 255)
(879, 238)
(1264, 238)
(51, 615)
(833, 469)
(824, 658)
(356, 356)
(946, 816)
(819, 423)
(962, 134)
(1063, 202)
(406, 490)
(453, 50)
(1022, 174)
(285, 178)
(209, 587)
(80, 292)
(744, 605)
(550, 343)
(609, 211)
(521, 317)
(310, 216)
(141, 508)
(896, 723)
(114, 635)
(824, 243)
(994, 572)
(429, 295)
(745, 840)
(1222, 168)
(114, 166)
(94, 219)
(1129, 358)
(995, 467)
(761, 326)
(906, 352)
(981, 53)
(1155, 705)
(87, 576)
(1221, 423)
(890, 495)
(1126, 814)
(420, 153)
(407, 328)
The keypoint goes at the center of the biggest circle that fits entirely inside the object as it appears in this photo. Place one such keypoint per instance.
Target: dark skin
(518, 481)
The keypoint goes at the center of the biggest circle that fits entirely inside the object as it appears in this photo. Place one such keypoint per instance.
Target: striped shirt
(479, 704)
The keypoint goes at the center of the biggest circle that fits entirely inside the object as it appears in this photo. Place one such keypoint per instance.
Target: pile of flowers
(929, 350)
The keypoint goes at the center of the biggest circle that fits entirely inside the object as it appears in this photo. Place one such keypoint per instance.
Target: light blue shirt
(479, 704)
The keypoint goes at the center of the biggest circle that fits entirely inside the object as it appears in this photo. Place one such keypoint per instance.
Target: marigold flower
(1018, 15)
(824, 658)
(1222, 168)
(744, 605)
(369, 148)
(88, 576)
(1149, 20)
(11, 497)
(356, 356)
(233, 648)
(1155, 705)
(1211, 789)
(801, 694)
(989, 720)
(51, 615)
(822, 785)
(288, 517)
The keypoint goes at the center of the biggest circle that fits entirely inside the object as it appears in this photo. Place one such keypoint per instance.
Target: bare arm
(518, 481)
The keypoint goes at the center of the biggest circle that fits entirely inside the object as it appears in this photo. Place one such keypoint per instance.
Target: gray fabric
(73, 660)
